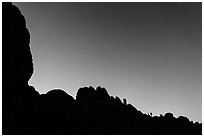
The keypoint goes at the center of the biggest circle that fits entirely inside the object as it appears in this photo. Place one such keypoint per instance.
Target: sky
(148, 53)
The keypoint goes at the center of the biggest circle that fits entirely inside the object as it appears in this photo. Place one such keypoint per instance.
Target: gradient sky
(148, 53)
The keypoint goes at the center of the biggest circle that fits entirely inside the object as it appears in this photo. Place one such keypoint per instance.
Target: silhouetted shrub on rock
(93, 111)
(169, 115)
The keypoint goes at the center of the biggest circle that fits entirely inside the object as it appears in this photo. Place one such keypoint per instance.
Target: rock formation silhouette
(94, 111)
(17, 68)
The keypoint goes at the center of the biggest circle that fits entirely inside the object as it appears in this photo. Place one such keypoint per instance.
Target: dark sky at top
(148, 53)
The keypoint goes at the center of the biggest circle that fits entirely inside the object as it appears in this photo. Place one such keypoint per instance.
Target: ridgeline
(94, 111)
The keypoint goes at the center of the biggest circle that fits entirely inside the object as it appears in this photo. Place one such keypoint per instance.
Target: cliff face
(17, 59)
(93, 112)
(17, 66)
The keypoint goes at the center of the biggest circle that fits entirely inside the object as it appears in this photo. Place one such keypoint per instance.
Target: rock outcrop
(17, 68)
(93, 111)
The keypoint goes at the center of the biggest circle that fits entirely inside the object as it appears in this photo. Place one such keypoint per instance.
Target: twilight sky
(148, 53)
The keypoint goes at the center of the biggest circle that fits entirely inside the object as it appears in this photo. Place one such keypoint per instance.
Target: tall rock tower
(17, 66)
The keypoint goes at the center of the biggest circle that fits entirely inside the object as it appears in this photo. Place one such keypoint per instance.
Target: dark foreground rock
(94, 111)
